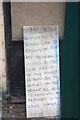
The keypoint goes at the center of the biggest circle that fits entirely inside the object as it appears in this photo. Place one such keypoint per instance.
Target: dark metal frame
(10, 45)
(8, 37)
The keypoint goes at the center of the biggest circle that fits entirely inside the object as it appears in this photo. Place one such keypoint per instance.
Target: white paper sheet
(41, 51)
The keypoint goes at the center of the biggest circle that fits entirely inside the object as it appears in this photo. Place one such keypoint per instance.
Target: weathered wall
(2, 49)
(37, 14)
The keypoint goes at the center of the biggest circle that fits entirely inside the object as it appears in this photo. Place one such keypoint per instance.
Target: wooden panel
(69, 78)
(37, 14)
(17, 69)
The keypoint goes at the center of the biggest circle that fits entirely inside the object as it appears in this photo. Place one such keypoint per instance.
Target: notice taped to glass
(42, 72)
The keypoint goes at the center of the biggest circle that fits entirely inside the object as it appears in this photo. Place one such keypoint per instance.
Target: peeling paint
(2, 49)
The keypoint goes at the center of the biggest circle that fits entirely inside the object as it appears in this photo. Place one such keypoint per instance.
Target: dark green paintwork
(69, 72)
